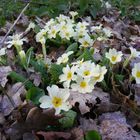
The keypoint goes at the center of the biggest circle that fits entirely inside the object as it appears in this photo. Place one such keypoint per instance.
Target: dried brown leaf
(4, 71)
(82, 99)
(55, 135)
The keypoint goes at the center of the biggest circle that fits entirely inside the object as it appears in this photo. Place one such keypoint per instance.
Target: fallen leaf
(36, 120)
(77, 133)
(113, 126)
(82, 99)
(88, 124)
(36, 79)
(29, 136)
(55, 135)
(12, 99)
(4, 71)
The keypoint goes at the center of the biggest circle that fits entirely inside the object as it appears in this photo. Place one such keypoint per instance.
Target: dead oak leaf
(4, 71)
(36, 120)
(82, 99)
(55, 135)
(12, 99)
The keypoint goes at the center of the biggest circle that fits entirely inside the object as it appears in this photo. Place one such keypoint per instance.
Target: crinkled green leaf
(69, 119)
(34, 94)
(92, 135)
(20, 78)
(73, 47)
(86, 55)
(55, 71)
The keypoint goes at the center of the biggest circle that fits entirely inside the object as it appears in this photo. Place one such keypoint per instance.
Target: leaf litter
(31, 121)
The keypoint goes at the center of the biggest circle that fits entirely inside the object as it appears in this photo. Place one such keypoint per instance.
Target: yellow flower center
(69, 75)
(65, 59)
(138, 74)
(87, 73)
(53, 32)
(97, 77)
(85, 43)
(57, 101)
(114, 58)
(67, 34)
(83, 84)
(64, 27)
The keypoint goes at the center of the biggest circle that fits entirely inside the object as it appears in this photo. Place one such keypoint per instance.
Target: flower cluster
(116, 56)
(66, 28)
(82, 76)
(102, 33)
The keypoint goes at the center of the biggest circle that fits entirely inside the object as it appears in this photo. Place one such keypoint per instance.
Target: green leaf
(69, 119)
(92, 135)
(55, 71)
(29, 55)
(83, 5)
(39, 66)
(20, 78)
(34, 94)
(119, 77)
(86, 55)
(73, 47)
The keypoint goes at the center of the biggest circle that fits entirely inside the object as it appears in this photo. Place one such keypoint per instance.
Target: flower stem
(126, 62)
(44, 52)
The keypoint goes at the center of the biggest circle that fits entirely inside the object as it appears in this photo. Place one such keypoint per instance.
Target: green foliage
(34, 94)
(92, 135)
(68, 120)
(52, 8)
(86, 55)
(119, 77)
(20, 78)
(55, 71)
(39, 66)
(73, 47)
(128, 8)
(9, 9)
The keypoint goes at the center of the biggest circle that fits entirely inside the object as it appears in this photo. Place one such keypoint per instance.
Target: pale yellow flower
(136, 72)
(114, 56)
(57, 99)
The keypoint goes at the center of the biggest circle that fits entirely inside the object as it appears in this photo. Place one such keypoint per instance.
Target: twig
(2, 42)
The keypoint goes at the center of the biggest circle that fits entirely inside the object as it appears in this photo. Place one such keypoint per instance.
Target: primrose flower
(68, 75)
(101, 72)
(96, 28)
(114, 56)
(73, 14)
(134, 53)
(82, 25)
(31, 26)
(108, 5)
(49, 25)
(82, 85)
(2, 51)
(78, 63)
(80, 34)
(64, 58)
(107, 32)
(67, 34)
(52, 32)
(136, 72)
(40, 37)
(62, 18)
(57, 99)
(16, 40)
(86, 41)
(86, 70)
(66, 30)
